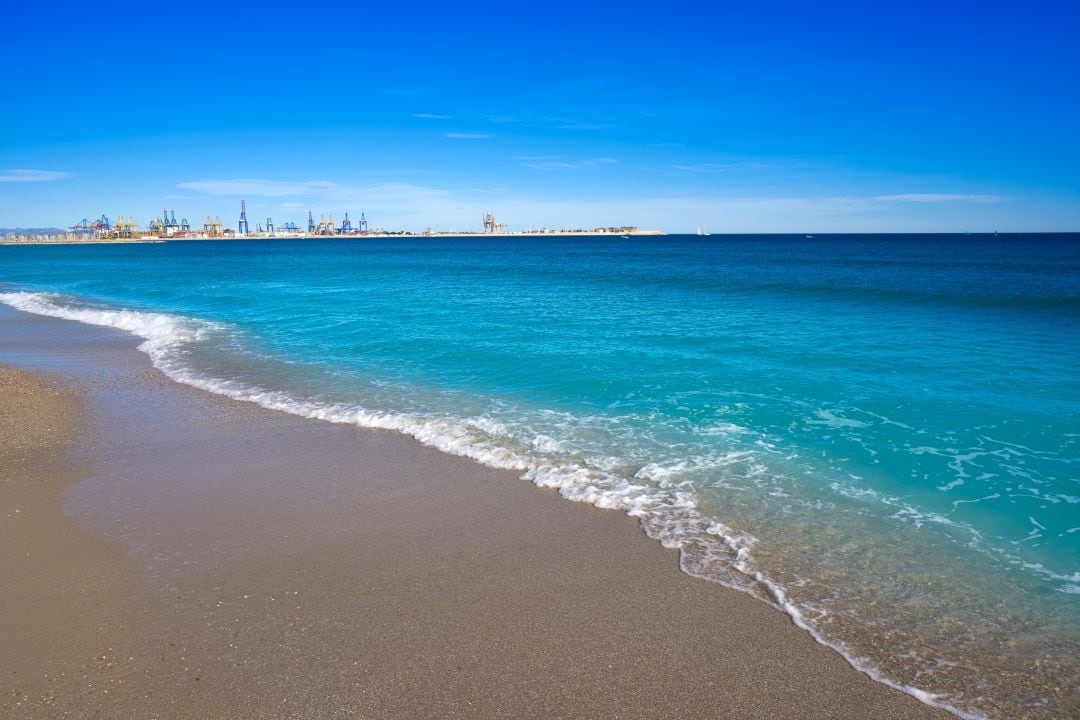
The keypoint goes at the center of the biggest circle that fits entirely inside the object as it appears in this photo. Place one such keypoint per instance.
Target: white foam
(708, 548)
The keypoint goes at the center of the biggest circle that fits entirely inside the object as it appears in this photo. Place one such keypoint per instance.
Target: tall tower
(270, 227)
(243, 228)
(310, 224)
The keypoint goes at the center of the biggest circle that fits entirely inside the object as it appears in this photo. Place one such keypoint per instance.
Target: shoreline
(357, 236)
(469, 591)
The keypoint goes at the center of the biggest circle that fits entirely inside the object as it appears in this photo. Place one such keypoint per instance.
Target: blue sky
(778, 117)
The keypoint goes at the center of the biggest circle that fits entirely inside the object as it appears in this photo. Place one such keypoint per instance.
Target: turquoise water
(878, 434)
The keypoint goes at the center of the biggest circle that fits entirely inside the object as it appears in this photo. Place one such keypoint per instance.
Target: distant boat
(703, 234)
(810, 237)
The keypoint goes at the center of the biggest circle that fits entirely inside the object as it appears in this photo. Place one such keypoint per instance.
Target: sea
(877, 434)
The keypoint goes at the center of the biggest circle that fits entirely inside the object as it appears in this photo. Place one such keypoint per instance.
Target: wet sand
(66, 597)
(235, 562)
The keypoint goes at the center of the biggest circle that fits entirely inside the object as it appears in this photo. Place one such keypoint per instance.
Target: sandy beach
(167, 553)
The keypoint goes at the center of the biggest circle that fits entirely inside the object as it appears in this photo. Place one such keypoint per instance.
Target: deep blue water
(880, 434)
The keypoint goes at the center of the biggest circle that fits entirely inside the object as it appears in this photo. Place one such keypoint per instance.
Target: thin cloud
(584, 126)
(563, 123)
(25, 176)
(940, 197)
(556, 164)
(709, 167)
(258, 187)
(430, 116)
(467, 135)
(323, 190)
(737, 214)
(392, 192)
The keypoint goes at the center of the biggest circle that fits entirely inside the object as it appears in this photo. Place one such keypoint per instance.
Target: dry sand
(234, 562)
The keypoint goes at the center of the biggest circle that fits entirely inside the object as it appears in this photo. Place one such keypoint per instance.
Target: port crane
(81, 228)
(126, 227)
(213, 227)
(491, 225)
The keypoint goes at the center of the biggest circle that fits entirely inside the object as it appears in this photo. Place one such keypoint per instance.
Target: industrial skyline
(793, 118)
(165, 226)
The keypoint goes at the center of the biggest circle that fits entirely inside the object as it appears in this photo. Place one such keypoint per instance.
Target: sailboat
(703, 234)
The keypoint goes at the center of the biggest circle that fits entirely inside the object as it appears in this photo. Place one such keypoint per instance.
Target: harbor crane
(81, 228)
(213, 227)
(491, 225)
(101, 226)
(126, 227)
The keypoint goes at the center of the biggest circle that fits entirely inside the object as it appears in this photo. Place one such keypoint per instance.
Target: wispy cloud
(573, 125)
(25, 176)
(388, 192)
(716, 167)
(564, 123)
(260, 187)
(684, 213)
(467, 135)
(430, 116)
(559, 164)
(561, 123)
(940, 197)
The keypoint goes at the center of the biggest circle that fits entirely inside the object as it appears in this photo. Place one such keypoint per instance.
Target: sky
(730, 117)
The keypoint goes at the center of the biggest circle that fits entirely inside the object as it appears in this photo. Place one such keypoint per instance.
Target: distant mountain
(4, 232)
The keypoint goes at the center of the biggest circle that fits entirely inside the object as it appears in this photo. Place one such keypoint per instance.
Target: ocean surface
(878, 434)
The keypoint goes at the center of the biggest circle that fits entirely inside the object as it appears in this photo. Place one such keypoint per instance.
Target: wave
(708, 548)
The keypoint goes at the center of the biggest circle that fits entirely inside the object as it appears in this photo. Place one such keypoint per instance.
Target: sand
(209, 558)
(64, 594)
